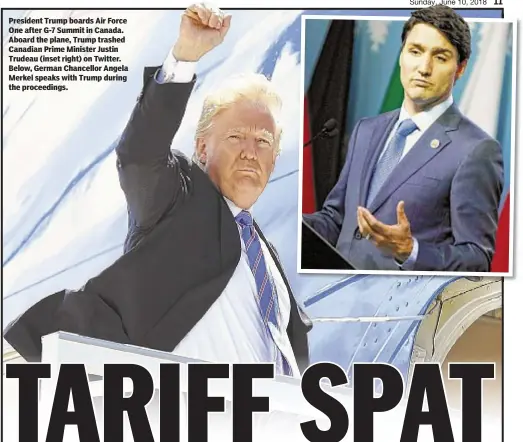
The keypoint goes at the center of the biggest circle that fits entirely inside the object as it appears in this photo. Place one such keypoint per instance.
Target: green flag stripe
(394, 95)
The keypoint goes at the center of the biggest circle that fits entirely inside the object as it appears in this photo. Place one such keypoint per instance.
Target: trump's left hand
(395, 239)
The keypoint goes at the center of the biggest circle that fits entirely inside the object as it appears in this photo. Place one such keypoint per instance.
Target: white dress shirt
(232, 330)
(174, 71)
(423, 121)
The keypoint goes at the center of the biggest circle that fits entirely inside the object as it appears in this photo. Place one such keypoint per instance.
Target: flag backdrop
(484, 94)
(327, 99)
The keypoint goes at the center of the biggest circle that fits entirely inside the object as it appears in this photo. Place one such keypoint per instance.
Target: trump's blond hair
(253, 88)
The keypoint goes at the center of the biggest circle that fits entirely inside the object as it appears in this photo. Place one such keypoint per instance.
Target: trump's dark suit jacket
(181, 249)
(451, 181)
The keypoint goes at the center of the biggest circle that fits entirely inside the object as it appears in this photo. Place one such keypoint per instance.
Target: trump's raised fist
(202, 28)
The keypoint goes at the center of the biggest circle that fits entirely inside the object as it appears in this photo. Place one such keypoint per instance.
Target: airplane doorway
(481, 342)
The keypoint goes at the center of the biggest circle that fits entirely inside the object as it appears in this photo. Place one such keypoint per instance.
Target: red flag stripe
(308, 200)
(500, 262)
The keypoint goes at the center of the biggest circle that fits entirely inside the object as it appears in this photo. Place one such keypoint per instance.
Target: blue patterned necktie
(267, 296)
(390, 158)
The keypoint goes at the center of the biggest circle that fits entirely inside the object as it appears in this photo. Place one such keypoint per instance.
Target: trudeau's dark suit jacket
(451, 182)
(181, 249)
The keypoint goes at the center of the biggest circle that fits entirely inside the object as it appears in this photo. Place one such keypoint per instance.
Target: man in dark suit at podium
(421, 185)
(197, 278)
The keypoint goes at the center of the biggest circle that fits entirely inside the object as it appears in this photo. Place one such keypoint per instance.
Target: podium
(318, 253)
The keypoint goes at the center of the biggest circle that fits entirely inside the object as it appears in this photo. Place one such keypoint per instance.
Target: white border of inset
(514, 49)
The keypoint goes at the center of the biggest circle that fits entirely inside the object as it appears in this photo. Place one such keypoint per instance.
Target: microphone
(330, 125)
(329, 130)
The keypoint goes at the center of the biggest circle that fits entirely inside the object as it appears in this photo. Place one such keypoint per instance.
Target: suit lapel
(421, 153)
(229, 233)
(295, 309)
(274, 257)
(228, 229)
(378, 138)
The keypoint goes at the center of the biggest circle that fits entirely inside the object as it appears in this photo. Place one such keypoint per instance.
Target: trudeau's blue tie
(267, 295)
(390, 158)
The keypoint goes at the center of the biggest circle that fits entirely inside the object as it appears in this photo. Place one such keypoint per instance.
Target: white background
(513, 300)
